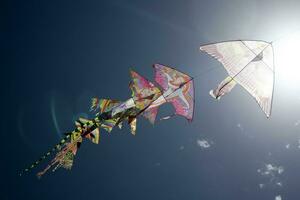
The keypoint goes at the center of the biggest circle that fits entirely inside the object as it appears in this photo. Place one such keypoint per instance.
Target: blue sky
(57, 55)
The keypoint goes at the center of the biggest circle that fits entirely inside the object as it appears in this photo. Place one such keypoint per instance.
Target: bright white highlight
(204, 144)
(287, 59)
(278, 197)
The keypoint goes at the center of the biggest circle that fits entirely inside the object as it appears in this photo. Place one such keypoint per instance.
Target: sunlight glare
(287, 59)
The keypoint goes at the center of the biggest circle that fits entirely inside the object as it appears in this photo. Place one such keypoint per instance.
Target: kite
(248, 63)
(174, 87)
(178, 89)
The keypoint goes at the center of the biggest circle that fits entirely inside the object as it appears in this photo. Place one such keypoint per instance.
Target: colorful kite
(248, 63)
(177, 88)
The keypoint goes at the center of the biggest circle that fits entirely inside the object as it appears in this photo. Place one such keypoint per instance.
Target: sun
(287, 59)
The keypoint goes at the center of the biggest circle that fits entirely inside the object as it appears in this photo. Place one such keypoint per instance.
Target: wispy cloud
(272, 173)
(243, 131)
(278, 197)
(279, 184)
(204, 144)
(261, 185)
(270, 169)
(240, 126)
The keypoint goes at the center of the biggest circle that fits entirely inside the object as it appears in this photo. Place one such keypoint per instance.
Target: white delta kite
(248, 63)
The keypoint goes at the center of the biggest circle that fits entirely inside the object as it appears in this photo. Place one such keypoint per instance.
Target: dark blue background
(56, 55)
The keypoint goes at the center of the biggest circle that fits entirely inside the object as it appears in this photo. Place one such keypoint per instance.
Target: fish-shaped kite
(248, 63)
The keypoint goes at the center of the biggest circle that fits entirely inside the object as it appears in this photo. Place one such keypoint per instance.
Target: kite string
(192, 78)
(286, 35)
(205, 72)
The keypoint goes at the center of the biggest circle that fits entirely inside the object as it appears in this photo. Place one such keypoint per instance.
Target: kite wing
(178, 89)
(144, 93)
(249, 63)
(150, 114)
(103, 105)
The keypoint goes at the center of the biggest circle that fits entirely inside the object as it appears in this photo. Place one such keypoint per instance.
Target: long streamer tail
(46, 155)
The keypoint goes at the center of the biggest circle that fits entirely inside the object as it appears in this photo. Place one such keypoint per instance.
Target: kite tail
(46, 155)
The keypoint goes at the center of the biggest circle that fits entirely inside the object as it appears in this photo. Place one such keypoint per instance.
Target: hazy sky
(57, 55)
